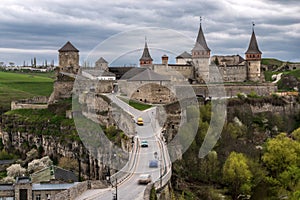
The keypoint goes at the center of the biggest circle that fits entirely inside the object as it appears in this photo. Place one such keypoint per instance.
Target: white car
(145, 179)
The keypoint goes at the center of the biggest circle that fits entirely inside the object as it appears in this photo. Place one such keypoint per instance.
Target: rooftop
(149, 75)
(101, 60)
(97, 73)
(48, 186)
(68, 47)
(253, 46)
(184, 55)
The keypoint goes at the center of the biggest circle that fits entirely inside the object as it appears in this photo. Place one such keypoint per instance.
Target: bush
(6, 156)
(253, 95)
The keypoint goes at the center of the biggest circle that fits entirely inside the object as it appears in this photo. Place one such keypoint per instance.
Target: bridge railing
(166, 176)
(126, 171)
(167, 171)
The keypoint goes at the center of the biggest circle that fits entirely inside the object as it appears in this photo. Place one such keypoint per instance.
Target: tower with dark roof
(201, 56)
(253, 58)
(101, 64)
(146, 58)
(69, 58)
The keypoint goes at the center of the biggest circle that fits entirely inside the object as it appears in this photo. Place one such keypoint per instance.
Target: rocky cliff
(52, 134)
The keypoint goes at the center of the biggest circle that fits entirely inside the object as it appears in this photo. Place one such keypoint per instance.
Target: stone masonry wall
(234, 89)
(33, 103)
(61, 90)
(78, 189)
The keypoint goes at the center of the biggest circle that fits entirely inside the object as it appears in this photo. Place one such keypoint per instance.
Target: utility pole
(116, 189)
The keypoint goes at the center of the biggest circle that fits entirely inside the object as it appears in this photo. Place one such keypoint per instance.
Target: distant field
(14, 86)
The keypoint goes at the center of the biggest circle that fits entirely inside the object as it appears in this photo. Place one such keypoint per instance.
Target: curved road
(129, 189)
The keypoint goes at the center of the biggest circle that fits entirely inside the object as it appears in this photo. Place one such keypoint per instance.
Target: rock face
(289, 82)
(58, 137)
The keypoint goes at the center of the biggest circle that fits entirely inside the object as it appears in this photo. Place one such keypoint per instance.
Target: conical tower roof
(146, 55)
(201, 39)
(253, 46)
(68, 47)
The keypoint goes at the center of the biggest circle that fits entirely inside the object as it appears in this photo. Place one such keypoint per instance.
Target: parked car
(140, 121)
(153, 163)
(144, 143)
(145, 179)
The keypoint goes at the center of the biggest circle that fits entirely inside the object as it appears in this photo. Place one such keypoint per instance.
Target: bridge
(124, 183)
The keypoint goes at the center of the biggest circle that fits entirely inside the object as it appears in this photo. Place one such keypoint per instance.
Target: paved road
(130, 189)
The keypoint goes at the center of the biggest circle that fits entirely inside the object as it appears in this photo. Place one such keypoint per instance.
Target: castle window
(38, 197)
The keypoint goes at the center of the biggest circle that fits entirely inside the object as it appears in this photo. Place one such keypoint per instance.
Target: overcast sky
(38, 28)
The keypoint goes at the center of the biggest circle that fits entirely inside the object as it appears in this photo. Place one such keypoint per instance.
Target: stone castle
(194, 68)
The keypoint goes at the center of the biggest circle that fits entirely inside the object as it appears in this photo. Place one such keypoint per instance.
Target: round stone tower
(201, 56)
(253, 58)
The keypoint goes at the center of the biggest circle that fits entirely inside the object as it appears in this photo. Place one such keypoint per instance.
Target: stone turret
(68, 58)
(201, 56)
(146, 58)
(65, 73)
(253, 58)
(101, 64)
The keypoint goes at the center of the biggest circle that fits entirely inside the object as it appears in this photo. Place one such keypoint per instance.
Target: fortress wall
(234, 89)
(33, 103)
(233, 73)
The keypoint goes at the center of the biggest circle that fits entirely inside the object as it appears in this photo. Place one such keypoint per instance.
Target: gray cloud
(29, 26)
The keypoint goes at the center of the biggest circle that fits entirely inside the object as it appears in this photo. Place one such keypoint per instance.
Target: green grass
(37, 119)
(137, 105)
(271, 61)
(268, 75)
(14, 86)
(295, 73)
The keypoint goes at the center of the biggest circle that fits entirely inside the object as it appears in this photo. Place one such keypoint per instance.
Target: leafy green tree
(282, 159)
(281, 152)
(205, 113)
(153, 194)
(209, 167)
(216, 61)
(235, 130)
(68, 163)
(296, 134)
(237, 175)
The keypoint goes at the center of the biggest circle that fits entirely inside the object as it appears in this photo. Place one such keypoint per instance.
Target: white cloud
(35, 25)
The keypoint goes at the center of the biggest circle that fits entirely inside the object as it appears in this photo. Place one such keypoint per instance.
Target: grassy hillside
(271, 61)
(14, 86)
